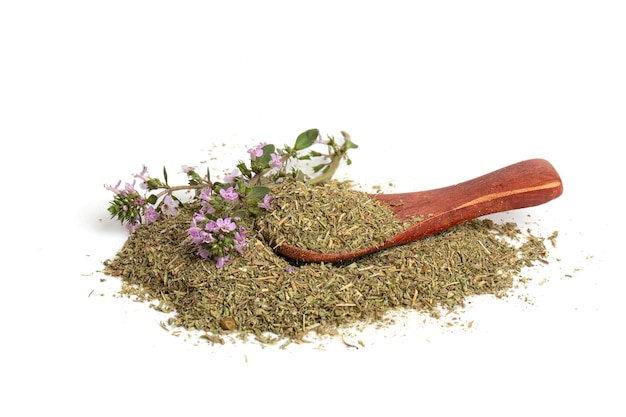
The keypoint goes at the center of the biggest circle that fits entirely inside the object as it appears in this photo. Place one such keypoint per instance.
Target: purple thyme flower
(205, 194)
(207, 207)
(187, 169)
(199, 236)
(133, 225)
(212, 226)
(229, 194)
(225, 225)
(257, 151)
(203, 252)
(240, 240)
(265, 204)
(168, 206)
(290, 269)
(276, 162)
(143, 176)
(151, 215)
(129, 189)
(221, 260)
(194, 234)
(115, 190)
(230, 178)
(198, 217)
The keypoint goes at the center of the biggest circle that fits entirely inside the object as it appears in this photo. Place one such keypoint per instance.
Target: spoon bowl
(524, 184)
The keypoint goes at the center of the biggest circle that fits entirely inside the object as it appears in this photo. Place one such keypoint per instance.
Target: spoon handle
(524, 184)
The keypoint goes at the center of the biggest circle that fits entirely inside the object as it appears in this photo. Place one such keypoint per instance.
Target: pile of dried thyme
(262, 294)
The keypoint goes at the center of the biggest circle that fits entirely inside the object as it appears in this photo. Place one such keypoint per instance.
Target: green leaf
(254, 210)
(239, 213)
(264, 160)
(165, 175)
(257, 193)
(351, 145)
(152, 199)
(306, 139)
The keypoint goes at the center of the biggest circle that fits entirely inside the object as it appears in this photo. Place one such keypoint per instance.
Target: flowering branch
(216, 229)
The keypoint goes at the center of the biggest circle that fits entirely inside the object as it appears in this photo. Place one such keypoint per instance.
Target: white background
(433, 92)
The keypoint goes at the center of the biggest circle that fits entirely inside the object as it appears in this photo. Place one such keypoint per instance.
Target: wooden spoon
(525, 184)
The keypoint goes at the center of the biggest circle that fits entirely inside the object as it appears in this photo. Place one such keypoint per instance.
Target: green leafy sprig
(216, 229)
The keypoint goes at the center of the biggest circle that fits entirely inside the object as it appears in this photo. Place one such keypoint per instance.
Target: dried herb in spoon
(329, 217)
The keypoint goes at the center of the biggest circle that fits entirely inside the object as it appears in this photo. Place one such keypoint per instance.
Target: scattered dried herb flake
(262, 294)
